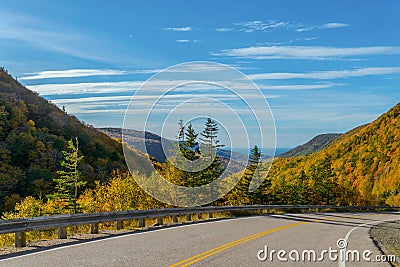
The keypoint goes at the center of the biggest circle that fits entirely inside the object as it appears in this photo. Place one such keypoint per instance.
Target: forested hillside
(33, 134)
(316, 144)
(359, 168)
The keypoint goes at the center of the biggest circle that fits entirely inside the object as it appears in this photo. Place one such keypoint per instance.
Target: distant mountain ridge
(316, 144)
(156, 145)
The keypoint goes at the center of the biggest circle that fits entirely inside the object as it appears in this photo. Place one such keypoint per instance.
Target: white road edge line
(342, 260)
(122, 236)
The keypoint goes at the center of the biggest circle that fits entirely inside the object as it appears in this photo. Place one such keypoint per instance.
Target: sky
(322, 66)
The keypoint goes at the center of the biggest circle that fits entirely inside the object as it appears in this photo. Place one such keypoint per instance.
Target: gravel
(387, 237)
(49, 243)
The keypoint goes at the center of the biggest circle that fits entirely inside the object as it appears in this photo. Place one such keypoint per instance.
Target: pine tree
(324, 181)
(69, 178)
(191, 152)
(181, 132)
(211, 145)
(191, 143)
(250, 171)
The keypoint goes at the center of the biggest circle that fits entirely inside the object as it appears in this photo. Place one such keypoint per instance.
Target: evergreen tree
(324, 181)
(255, 156)
(181, 133)
(211, 145)
(191, 144)
(69, 181)
(191, 153)
(250, 171)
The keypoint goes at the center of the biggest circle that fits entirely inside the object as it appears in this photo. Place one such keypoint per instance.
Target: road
(231, 242)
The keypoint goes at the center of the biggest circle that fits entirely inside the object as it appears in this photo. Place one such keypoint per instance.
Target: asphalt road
(232, 242)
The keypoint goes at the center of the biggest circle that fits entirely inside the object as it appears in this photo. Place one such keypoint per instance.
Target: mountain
(314, 145)
(155, 145)
(362, 165)
(33, 134)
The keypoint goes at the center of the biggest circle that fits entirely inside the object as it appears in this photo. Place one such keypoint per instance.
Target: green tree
(324, 181)
(211, 145)
(181, 133)
(250, 171)
(191, 152)
(191, 144)
(69, 178)
(255, 155)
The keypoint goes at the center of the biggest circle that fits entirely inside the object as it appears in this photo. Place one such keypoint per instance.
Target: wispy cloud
(85, 88)
(307, 52)
(298, 86)
(325, 75)
(258, 25)
(44, 35)
(269, 25)
(186, 41)
(182, 41)
(304, 28)
(224, 29)
(333, 25)
(73, 73)
(179, 29)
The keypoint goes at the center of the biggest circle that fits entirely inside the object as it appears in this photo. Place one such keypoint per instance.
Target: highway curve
(232, 242)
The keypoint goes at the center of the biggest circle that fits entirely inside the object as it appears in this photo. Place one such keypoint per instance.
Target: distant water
(265, 151)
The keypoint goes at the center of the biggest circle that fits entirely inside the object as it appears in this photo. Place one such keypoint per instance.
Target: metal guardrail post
(142, 223)
(199, 216)
(62, 232)
(20, 239)
(175, 218)
(120, 224)
(188, 217)
(94, 228)
(210, 215)
(160, 220)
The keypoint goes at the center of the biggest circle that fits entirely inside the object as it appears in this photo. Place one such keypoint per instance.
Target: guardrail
(61, 222)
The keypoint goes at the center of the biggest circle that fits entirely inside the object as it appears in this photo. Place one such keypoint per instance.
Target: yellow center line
(226, 246)
(209, 253)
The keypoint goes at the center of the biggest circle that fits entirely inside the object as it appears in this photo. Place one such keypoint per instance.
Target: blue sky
(323, 66)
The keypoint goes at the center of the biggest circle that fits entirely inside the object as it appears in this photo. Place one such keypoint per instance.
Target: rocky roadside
(38, 245)
(387, 237)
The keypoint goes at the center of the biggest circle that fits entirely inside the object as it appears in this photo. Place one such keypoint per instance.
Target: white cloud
(71, 73)
(187, 41)
(182, 41)
(324, 75)
(224, 29)
(257, 25)
(307, 52)
(333, 25)
(179, 29)
(306, 28)
(297, 86)
(269, 25)
(85, 88)
(123, 87)
(46, 35)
